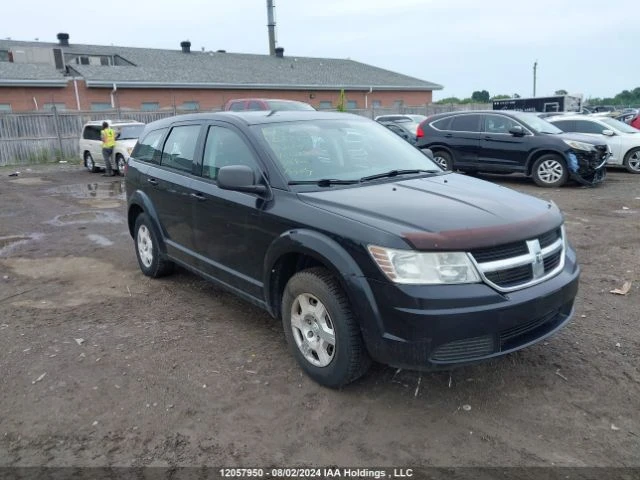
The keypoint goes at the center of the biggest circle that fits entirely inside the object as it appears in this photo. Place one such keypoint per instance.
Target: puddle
(86, 217)
(109, 190)
(30, 181)
(9, 243)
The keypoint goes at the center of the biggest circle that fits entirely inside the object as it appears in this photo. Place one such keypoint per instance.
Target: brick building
(39, 75)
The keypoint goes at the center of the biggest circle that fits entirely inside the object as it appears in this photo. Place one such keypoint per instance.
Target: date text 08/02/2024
(315, 473)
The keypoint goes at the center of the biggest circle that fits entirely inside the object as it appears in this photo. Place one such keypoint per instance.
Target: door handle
(448, 135)
(198, 196)
(152, 181)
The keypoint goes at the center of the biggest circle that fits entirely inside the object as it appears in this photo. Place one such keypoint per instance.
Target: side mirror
(428, 153)
(517, 131)
(240, 178)
(608, 133)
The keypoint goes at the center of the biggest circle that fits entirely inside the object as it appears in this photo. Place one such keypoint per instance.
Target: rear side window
(465, 123)
(180, 146)
(149, 148)
(585, 126)
(442, 124)
(565, 125)
(91, 132)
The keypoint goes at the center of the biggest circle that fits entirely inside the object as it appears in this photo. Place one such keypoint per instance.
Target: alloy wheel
(550, 171)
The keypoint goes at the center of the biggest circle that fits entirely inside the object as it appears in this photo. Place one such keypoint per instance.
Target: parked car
(513, 142)
(404, 130)
(623, 140)
(380, 256)
(90, 144)
(407, 121)
(257, 104)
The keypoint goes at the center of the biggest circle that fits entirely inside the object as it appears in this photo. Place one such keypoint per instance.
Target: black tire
(120, 164)
(632, 160)
(443, 159)
(349, 360)
(550, 171)
(89, 163)
(152, 262)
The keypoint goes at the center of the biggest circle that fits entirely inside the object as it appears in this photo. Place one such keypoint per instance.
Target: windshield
(618, 125)
(131, 132)
(341, 149)
(535, 123)
(280, 105)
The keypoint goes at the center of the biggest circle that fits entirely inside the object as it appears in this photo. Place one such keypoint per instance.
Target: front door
(501, 150)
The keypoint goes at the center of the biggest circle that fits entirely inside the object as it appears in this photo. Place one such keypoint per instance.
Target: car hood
(582, 138)
(443, 212)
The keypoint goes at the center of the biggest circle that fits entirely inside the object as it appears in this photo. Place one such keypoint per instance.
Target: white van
(127, 132)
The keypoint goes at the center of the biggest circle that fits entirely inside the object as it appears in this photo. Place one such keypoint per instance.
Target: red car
(240, 104)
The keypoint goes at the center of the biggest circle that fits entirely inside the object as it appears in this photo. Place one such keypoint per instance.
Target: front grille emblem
(538, 260)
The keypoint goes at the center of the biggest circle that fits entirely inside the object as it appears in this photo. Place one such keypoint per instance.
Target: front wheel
(550, 171)
(150, 260)
(632, 160)
(120, 164)
(321, 331)
(443, 159)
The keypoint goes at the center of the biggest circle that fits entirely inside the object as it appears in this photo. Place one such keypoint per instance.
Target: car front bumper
(588, 168)
(430, 327)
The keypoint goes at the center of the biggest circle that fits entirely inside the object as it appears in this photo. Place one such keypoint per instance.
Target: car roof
(114, 122)
(257, 117)
(260, 99)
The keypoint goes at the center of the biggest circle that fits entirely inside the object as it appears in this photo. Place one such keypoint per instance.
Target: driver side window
(225, 147)
(498, 124)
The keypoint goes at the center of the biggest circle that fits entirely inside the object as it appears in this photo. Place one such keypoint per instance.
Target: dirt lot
(100, 365)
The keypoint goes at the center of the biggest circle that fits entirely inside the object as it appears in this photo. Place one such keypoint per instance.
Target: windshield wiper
(395, 173)
(323, 182)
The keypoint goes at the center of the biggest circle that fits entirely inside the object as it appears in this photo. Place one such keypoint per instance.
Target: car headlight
(579, 145)
(425, 268)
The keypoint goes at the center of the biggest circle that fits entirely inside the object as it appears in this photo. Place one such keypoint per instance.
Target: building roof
(175, 69)
(27, 74)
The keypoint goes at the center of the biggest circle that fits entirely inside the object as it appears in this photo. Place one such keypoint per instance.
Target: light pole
(535, 68)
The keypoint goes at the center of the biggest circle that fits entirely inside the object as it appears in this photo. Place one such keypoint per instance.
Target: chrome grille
(521, 264)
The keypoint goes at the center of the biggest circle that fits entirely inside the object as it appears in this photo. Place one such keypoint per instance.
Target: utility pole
(272, 28)
(535, 69)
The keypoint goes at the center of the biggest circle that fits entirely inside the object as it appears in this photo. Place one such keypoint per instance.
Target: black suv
(361, 244)
(513, 142)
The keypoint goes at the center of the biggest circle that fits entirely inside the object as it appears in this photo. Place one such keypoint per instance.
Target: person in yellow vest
(108, 143)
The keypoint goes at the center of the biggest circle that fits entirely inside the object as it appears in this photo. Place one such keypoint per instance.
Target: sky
(582, 46)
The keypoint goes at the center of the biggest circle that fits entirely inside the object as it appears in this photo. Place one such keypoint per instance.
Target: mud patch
(11, 242)
(100, 240)
(30, 181)
(86, 217)
(71, 281)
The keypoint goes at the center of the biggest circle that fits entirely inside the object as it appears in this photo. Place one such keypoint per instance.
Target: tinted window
(191, 106)
(585, 126)
(498, 124)
(130, 132)
(351, 104)
(442, 124)
(180, 147)
(565, 125)
(237, 106)
(149, 106)
(225, 147)
(98, 106)
(255, 105)
(465, 123)
(5, 107)
(91, 132)
(149, 148)
(325, 104)
(284, 105)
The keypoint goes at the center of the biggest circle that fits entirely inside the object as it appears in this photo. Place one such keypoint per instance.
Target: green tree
(342, 101)
(500, 97)
(561, 92)
(480, 96)
(448, 100)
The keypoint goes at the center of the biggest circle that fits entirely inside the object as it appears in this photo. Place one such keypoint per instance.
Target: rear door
(463, 137)
(168, 185)
(502, 151)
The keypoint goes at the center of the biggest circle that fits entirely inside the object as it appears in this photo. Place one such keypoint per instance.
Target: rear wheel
(89, 163)
(550, 171)
(321, 331)
(632, 160)
(150, 259)
(443, 158)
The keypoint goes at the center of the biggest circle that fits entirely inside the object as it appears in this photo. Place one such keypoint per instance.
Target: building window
(351, 104)
(325, 104)
(190, 106)
(59, 106)
(5, 108)
(376, 104)
(398, 103)
(149, 106)
(4, 56)
(100, 106)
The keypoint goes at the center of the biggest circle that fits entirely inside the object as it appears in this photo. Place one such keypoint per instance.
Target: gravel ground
(103, 366)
